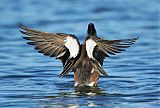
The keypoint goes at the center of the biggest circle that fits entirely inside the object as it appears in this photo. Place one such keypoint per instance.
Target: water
(31, 80)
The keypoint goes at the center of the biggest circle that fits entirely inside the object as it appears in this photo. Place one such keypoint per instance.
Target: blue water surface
(30, 80)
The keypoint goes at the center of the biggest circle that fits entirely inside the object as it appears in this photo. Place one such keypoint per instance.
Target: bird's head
(91, 30)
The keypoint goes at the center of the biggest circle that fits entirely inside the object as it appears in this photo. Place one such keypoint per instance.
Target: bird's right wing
(111, 47)
(97, 48)
(108, 47)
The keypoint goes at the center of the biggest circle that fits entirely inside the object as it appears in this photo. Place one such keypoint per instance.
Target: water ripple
(29, 79)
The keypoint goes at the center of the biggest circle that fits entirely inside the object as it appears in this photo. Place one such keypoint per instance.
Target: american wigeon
(85, 60)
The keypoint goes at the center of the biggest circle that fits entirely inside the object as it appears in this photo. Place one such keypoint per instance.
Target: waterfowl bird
(85, 60)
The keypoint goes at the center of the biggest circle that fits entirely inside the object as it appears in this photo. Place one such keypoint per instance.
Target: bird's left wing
(60, 45)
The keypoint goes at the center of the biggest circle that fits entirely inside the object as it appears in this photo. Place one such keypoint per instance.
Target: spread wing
(62, 46)
(99, 48)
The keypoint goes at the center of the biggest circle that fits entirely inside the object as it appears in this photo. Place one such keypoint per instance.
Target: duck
(85, 60)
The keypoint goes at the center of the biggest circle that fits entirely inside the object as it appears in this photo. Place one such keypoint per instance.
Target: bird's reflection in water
(90, 91)
(71, 99)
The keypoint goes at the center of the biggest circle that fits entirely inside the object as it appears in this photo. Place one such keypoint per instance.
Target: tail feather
(99, 67)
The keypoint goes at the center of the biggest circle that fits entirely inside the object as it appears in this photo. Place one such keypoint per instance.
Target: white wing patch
(73, 46)
(61, 54)
(90, 45)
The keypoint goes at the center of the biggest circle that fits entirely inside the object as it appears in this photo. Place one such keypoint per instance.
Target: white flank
(91, 84)
(73, 46)
(76, 84)
(92, 70)
(90, 44)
